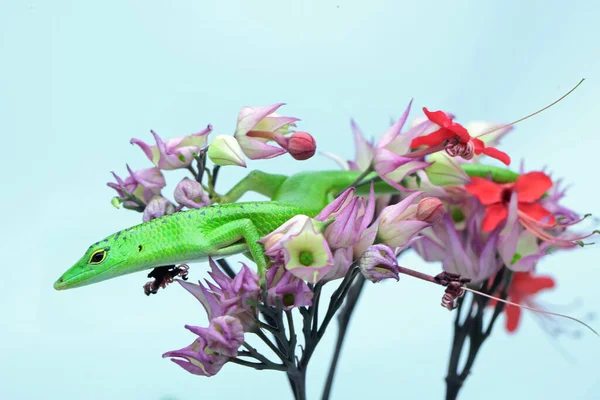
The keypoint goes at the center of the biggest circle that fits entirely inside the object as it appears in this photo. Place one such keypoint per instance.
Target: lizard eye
(98, 256)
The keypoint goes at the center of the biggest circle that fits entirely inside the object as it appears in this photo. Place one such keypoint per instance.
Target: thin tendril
(532, 308)
(535, 113)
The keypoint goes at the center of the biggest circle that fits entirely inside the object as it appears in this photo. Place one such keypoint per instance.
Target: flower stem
(473, 328)
(343, 321)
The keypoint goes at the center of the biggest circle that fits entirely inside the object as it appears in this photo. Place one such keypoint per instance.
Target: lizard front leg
(225, 240)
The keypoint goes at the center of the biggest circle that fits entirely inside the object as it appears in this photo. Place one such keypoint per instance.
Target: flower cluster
(428, 190)
(256, 127)
(227, 305)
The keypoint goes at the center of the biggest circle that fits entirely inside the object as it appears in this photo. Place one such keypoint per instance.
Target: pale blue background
(78, 80)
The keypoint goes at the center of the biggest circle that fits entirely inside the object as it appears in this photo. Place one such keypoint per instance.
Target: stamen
(532, 309)
(532, 114)
(464, 150)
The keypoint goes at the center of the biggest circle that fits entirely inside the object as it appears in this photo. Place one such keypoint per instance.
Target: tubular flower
(228, 296)
(190, 194)
(142, 184)
(197, 358)
(523, 287)
(392, 160)
(157, 207)
(351, 216)
(399, 223)
(529, 189)
(455, 139)
(292, 291)
(275, 240)
(176, 152)
(466, 252)
(258, 125)
(379, 262)
(307, 255)
(224, 335)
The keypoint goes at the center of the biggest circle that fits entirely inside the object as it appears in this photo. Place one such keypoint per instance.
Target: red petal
(534, 210)
(494, 214)
(438, 117)
(486, 191)
(535, 285)
(497, 154)
(513, 316)
(479, 145)
(460, 131)
(532, 186)
(432, 139)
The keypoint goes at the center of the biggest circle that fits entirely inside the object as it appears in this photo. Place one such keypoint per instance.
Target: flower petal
(532, 186)
(432, 139)
(497, 154)
(494, 215)
(513, 316)
(486, 191)
(534, 210)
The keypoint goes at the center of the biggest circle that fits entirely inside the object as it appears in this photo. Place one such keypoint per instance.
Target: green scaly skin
(225, 229)
(215, 231)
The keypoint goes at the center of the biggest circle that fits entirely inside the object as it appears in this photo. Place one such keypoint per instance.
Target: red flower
(523, 286)
(495, 196)
(455, 139)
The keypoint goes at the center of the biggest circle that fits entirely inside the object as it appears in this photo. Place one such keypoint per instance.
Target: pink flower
(190, 194)
(176, 152)
(197, 358)
(142, 184)
(379, 262)
(224, 335)
(258, 125)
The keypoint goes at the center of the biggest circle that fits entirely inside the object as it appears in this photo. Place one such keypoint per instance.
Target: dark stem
(473, 328)
(343, 321)
(226, 267)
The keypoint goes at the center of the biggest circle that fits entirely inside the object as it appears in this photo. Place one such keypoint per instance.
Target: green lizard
(219, 230)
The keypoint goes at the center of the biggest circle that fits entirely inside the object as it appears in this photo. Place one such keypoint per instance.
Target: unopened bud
(301, 146)
(225, 150)
(189, 193)
(378, 262)
(430, 210)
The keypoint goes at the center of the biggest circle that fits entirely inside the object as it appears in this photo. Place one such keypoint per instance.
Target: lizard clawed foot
(163, 276)
(454, 288)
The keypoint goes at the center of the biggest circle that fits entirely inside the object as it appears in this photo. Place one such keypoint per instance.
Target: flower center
(505, 195)
(306, 258)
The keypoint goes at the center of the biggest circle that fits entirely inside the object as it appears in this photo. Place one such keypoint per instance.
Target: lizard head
(97, 263)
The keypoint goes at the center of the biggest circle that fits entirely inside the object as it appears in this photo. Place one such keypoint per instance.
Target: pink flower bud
(301, 145)
(430, 210)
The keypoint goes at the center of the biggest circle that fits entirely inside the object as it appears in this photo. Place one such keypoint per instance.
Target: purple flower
(143, 184)
(352, 217)
(399, 223)
(228, 296)
(189, 193)
(157, 207)
(292, 291)
(258, 125)
(197, 358)
(378, 262)
(469, 252)
(224, 335)
(390, 160)
(176, 152)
